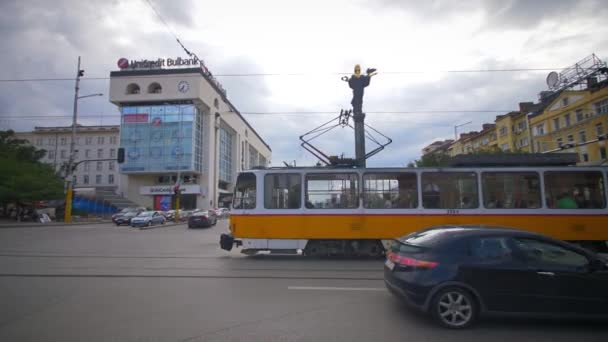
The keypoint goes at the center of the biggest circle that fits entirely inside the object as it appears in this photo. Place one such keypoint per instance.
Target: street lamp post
(456, 129)
(69, 171)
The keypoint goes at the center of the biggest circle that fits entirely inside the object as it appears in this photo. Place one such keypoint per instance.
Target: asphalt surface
(107, 283)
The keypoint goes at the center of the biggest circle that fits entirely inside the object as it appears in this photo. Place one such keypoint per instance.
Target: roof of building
(514, 159)
(152, 72)
(79, 128)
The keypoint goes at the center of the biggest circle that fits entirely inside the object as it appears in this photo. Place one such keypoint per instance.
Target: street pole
(456, 129)
(70, 184)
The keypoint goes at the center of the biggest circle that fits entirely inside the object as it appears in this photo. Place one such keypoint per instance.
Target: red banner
(135, 118)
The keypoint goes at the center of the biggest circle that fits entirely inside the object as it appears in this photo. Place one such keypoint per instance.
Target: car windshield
(146, 213)
(201, 213)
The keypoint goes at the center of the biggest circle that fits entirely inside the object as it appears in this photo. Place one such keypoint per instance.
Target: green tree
(431, 160)
(23, 178)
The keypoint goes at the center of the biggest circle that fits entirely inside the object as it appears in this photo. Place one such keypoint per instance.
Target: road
(107, 283)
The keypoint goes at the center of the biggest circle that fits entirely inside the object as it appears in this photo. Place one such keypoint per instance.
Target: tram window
(332, 191)
(282, 191)
(245, 191)
(574, 190)
(449, 190)
(390, 190)
(511, 190)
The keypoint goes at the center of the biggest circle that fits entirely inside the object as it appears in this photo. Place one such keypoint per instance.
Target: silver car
(147, 218)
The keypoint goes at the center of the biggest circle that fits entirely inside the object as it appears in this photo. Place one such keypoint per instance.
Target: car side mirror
(596, 265)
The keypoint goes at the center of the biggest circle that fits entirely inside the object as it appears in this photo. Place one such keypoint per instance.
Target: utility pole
(70, 183)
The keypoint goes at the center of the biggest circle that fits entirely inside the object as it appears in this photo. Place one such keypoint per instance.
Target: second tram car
(333, 211)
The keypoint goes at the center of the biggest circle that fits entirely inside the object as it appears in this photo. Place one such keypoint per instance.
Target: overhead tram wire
(64, 79)
(117, 115)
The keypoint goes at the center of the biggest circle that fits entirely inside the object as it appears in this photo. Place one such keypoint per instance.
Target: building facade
(92, 142)
(180, 122)
(437, 146)
(574, 121)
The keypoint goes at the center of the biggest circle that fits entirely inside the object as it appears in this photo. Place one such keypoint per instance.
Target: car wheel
(454, 308)
(149, 224)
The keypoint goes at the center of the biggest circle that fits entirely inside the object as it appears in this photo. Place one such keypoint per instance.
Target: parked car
(457, 273)
(147, 218)
(124, 211)
(204, 218)
(124, 218)
(222, 212)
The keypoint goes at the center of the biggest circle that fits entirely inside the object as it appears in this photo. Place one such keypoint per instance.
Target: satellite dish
(552, 79)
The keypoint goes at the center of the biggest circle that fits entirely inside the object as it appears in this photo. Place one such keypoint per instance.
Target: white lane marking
(330, 288)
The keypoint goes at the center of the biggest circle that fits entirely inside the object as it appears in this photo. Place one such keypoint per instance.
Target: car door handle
(546, 273)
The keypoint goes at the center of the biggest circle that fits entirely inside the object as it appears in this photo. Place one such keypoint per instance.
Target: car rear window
(431, 238)
(399, 247)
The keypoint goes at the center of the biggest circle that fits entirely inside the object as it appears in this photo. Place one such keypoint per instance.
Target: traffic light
(121, 155)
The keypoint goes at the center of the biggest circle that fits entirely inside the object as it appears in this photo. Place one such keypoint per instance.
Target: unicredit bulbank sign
(148, 64)
(159, 63)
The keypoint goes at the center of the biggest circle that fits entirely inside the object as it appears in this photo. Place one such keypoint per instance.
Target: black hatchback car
(205, 218)
(457, 273)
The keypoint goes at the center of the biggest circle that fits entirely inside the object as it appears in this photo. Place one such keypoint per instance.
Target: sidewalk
(30, 224)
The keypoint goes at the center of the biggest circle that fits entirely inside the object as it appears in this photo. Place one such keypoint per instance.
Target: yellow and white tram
(327, 211)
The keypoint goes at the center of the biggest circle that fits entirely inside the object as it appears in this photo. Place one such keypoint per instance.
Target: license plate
(389, 264)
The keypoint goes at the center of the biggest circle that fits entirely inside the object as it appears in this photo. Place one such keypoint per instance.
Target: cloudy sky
(412, 43)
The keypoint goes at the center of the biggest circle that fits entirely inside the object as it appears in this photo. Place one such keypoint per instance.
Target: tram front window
(245, 191)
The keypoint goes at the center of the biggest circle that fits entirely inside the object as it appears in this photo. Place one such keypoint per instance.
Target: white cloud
(317, 38)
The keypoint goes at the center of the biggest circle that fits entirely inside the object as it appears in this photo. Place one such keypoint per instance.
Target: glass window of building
(540, 129)
(99, 166)
(87, 166)
(39, 141)
(100, 140)
(282, 191)
(449, 190)
(85, 179)
(567, 119)
(263, 161)
(113, 140)
(603, 152)
(64, 154)
(110, 179)
(87, 153)
(77, 141)
(155, 88)
(98, 179)
(112, 153)
(111, 165)
(390, 190)
(599, 129)
(100, 153)
(51, 141)
(51, 154)
(503, 131)
(556, 124)
(245, 191)
(570, 138)
(63, 141)
(88, 140)
(601, 107)
(511, 190)
(332, 191)
(582, 136)
(579, 115)
(574, 190)
(159, 137)
(253, 157)
(225, 155)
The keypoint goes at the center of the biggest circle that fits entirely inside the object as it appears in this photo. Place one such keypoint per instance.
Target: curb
(161, 226)
(52, 224)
